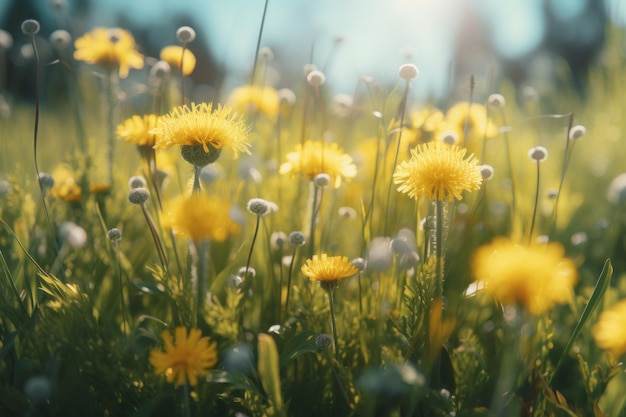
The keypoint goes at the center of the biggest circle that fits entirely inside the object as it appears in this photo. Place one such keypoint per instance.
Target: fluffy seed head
(316, 78)
(297, 238)
(322, 180)
(538, 153)
(185, 34)
(487, 172)
(46, 181)
(258, 206)
(60, 39)
(323, 341)
(137, 181)
(496, 101)
(577, 132)
(30, 27)
(115, 234)
(138, 196)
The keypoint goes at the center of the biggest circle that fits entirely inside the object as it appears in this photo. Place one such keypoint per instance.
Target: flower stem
(313, 219)
(333, 325)
(293, 261)
(186, 405)
(125, 321)
(155, 236)
(439, 245)
(111, 92)
(532, 222)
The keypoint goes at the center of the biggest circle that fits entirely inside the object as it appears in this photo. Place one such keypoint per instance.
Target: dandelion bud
(185, 34)
(408, 72)
(73, 235)
(287, 96)
(246, 271)
(60, 39)
(6, 40)
(160, 72)
(359, 263)
(322, 180)
(266, 54)
(258, 206)
(399, 246)
(323, 341)
(347, 212)
(278, 240)
(137, 181)
(538, 153)
(297, 238)
(496, 101)
(450, 137)
(316, 78)
(138, 196)
(30, 27)
(486, 171)
(577, 132)
(115, 234)
(46, 181)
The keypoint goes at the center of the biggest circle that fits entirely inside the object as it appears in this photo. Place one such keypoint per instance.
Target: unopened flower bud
(408, 72)
(538, 153)
(297, 238)
(115, 234)
(137, 181)
(30, 27)
(486, 171)
(138, 196)
(323, 341)
(185, 34)
(46, 181)
(577, 132)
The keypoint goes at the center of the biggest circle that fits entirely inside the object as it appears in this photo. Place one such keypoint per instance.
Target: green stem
(532, 222)
(155, 236)
(118, 263)
(333, 325)
(186, 405)
(202, 273)
(112, 90)
(439, 244)
(291, 263)
(313, 219)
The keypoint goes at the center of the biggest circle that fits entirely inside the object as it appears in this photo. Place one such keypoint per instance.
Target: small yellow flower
(475, 116)
(173, 54)
(535, 277)
(201, 125)
(320, 157)
(610, 330)
(185, 360)
(137, 130)
(423, 126)
(109, 47)
(200, 216)
(438, 171)
(326, 268)
(262, 99)
(65, 186)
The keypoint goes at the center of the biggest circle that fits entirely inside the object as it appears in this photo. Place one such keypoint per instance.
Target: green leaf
(268, 369)
(602, 284)
(303, 342)
(236, 380)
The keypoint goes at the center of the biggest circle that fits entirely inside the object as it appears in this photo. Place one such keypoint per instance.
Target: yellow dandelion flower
(610, 330)
(204, 128)
(261, 99)
(137, 129)
(438, 171)
(326, 268)
(200, 216)
(535, 276)
(475, 116)
(423, 126)
(109, 48)
(320, 157)
(65, 186)
(173, 54)
(186, 359)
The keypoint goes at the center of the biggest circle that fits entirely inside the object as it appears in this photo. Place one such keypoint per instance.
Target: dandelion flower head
(202, 125)
(200, 216)
(610, 330)
(317, 157)
(65, 185)
(262, 99)
(172, 55)
(535, 277)
(109, 48)
(136, 129)
(438, 171)
(326, 268)
(185, 359)
(474, 116)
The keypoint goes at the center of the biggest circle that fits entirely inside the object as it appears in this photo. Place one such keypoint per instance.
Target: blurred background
(527, 41)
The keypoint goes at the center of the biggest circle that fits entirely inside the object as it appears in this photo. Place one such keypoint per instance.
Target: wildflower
(258, 206)
(30, 27)
(316, 78)
(475, 116)
(109, 48)
(137, 181)
(496, 101)
(328, 269)
(262, 99)
(65, 187)
(438, 171)
(318, 157)
(202, 132)
(536, 276)
(159, 73)
(184, 360)
(609, 331)
(175, 57)
(359, 263)
(538, 153)
(487, 172)
(408, 72)
(323, 341)
(114, 234)
(297, 238)
(46, 181)
(322, 180)
(577, 132)
(278, 240)
(138, 196)
(185, 34)
(200, 216)
(137, 130)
